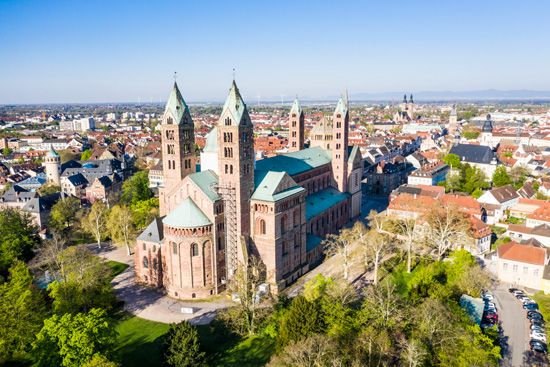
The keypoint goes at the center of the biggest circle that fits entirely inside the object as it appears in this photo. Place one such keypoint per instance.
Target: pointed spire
(411, 99)
(235, 106)
(177, 107)
(405, 98)
(52, 152)
(341, 107)
(296, 107)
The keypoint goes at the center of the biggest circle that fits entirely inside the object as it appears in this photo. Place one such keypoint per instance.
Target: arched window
(261, 226)
(194, 249)
(155, 264)
(283, 224)
(175, 248)
(145, 262)
(296, 218)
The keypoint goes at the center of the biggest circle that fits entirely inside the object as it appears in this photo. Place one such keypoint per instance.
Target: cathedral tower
(178, 144)
(410, 108)
(236, 173)
(340, 125)
(296, 127)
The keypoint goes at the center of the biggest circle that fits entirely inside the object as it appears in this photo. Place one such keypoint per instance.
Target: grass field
(117, 267)
(139, 344)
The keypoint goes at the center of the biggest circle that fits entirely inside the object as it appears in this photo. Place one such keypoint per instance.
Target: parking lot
(515, 331)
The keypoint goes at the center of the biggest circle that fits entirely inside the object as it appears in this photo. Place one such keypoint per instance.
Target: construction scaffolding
(228, 194)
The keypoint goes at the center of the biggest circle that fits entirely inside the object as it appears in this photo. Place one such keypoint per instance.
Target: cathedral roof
(206, 181)
(235, 107)
(273, 186)
(187, 215)
(211, 141)
(295, 162)
(177, 107)
(153, 232)
(320, 201)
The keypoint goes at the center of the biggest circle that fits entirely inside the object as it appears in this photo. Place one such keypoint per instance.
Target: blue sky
(101, 51)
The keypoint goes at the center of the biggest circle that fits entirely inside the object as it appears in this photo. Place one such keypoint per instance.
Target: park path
(152, 304)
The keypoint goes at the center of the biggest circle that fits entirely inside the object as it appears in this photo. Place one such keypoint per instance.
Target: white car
(487, 296)
(539, 336)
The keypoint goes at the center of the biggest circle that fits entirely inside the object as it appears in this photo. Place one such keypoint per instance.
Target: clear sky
(115, 50)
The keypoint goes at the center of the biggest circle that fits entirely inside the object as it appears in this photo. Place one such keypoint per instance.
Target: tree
(412, 352)
(100, 361)
(376, 245)
(49, 189)
(18, 237)
(316, 350)
(144, 211)
(500, 177)
(409, 233)
(64, 213)
(73, 340)
(85, 282)
(95, 222)
(22, 310)
(182, 347)
(382, 306)
(87, 154)
(447, 227)
(340, 246)
(120, 226)
(452, 160)
(244, 285)
(6, 151)
(302, 319)
(136, 188)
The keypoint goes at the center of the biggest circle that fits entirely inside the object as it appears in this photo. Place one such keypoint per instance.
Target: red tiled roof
(522, 253)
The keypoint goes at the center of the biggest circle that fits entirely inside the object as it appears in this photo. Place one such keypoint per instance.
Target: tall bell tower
(296, 127)
(178, 144)
(236, 173)
(340, 126)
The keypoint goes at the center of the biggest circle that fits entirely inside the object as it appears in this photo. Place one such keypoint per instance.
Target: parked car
(538, 336)
(530, 306)
(538, 323)
(537, 329)
(533, 315)
(512, 290)
(487, 296)
(538, 346)
(518, 292)
(522, 297)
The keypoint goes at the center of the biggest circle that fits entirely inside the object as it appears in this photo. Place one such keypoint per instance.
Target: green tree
(500, 177)
(136, 188)
(303, 318)
(86, 155)
(452, 160)
(121, 227)
(100, 361)
(74, 340)
(181, 346)
(48, 189)
(85, 282)
(6, 151)
(22, 310)
(18, 237)
(144, 211)
(64, 213)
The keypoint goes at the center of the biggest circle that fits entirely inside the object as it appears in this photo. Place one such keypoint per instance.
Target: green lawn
(117, 267)
(139, 343)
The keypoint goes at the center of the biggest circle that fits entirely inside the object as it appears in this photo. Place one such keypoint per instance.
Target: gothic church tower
(178, 144)
(296, 127)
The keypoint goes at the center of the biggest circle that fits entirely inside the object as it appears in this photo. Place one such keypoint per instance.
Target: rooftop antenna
(175, 76)
(233, 74)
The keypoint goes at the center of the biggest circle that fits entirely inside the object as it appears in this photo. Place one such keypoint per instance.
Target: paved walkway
(152, 304)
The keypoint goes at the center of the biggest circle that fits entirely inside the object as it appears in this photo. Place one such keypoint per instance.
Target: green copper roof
(52, 152)
(295, 162)
(177, 107)
(186, 215)
(322, 200)
(269, 186)
(235, 107)
(312, 242)
(341, 107)
(206, 181)
(211, 141)
(296, 107)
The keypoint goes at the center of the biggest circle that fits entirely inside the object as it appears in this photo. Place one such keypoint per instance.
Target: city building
(278, 209)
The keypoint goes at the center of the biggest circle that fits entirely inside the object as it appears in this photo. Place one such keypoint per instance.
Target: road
(515, 328)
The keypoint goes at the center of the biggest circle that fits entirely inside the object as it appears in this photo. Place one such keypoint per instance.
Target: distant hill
(453, 95)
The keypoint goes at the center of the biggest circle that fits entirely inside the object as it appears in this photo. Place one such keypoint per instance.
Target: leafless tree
(341, 246)
(244, 284)
(314, 351)
(376, 246)
(412, 352)
(121, 227)
(447, 227)
(409, 236)
(95, 222)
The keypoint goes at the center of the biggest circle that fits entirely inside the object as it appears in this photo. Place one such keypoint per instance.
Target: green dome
(186, 215)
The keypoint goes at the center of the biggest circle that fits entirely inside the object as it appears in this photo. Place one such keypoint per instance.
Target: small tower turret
(52, 165)
(296, 127)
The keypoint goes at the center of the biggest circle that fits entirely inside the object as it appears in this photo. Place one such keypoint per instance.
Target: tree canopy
(136, 188)
(18, 237)
(181, 346)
